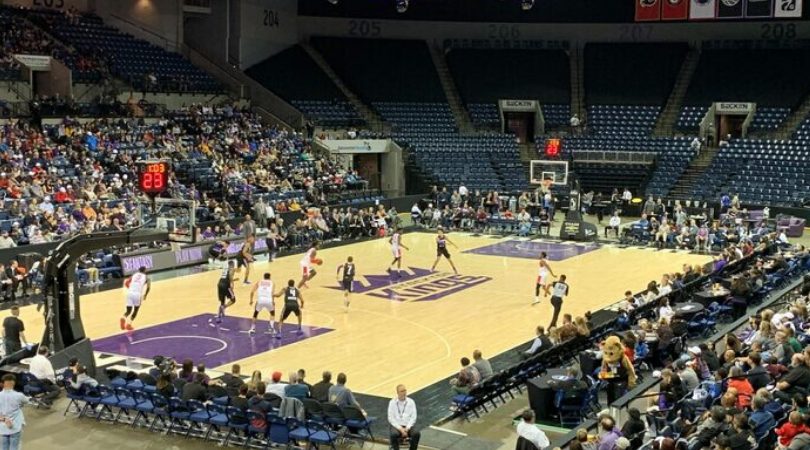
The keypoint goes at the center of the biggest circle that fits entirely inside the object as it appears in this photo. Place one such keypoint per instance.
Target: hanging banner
(702, 9)
(648, 10)
(788, 9)
(759, 8)
(730, 9)
(674, 9)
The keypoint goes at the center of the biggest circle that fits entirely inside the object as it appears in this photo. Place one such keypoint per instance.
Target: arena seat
(128, 58)
(752, 75)
(614, 76)
(484, 161)
(294, 76)
(382, 70)
(760, 171)
(541, 75)
(766, 118)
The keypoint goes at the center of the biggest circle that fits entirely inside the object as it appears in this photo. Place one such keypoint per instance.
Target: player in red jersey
(138, 286)
(543, 280)
(307, 272)
(396, 249)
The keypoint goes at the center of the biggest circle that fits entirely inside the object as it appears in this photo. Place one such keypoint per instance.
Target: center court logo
(415, 285)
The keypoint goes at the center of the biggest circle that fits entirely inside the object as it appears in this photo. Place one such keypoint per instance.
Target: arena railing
(614, 156)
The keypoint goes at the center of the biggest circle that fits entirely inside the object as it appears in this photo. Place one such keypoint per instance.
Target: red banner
(648, 10)
(674, 9)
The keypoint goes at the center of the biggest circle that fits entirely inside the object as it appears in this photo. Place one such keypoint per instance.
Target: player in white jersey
(543, 281)
(396, 249)
(138, 286)
(307, 272)
(263, 290)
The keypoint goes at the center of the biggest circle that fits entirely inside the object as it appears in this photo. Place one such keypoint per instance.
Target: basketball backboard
(171, 215)
(555, 171)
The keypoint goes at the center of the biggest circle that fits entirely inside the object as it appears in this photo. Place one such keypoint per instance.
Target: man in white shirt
(529, 431)
(574, 121)
(42, 368)
(6, 241)
(627, 196)
(402, 417)
(613, 224)
(696, 145)
(275, 386)
(463, 192)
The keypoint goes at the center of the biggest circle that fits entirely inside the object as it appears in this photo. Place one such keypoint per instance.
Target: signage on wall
(733, 108)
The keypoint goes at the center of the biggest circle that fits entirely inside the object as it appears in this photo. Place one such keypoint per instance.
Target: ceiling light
(402, 6)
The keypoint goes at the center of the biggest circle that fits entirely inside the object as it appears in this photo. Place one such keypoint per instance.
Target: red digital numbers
(152, 177)
(552, 147)
(152, 181)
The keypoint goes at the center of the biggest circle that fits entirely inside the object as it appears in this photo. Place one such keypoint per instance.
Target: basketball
(317, 261)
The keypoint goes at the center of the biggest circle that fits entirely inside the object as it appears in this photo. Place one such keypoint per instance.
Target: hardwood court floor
(382, 342)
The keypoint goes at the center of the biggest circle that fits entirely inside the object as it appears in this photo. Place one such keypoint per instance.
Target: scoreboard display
(153, 177)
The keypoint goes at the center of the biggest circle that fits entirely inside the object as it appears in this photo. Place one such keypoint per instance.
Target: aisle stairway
(457, 106)
(792, 123)
(373, 120)
(577, 65)
(683, 187)
(666, 120)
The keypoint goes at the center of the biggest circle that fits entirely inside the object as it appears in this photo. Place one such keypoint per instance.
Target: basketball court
(411, 329)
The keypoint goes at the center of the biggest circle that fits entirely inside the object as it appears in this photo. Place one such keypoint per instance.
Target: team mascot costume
(617, 370)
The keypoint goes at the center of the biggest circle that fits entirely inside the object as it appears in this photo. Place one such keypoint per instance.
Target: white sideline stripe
(457, 433)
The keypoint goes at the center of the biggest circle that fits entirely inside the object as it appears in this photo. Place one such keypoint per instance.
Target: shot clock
(153, 177)
(553, 147)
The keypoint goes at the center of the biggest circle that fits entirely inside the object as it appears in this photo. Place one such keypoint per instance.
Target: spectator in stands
(294, 389)
(340, 395)
(575, 123)
(402, 418)
(320, 390)
(233, 381)
(609, 434)
(527, 429)
(695, 145)
(613, 224)
(571, 381)
(468, 377)
(275, 386)
(195, 389)
(797, 375)
(757, 375)
(482, 365)
(524, 222)
(541, 342)
(164, 385)
(14, 332)
(762, 421)
(6, 241)
(301, 376)
(42, 368)
(81, 381)
(240, 400)
(634, 426)
(11, 414)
